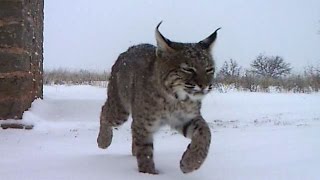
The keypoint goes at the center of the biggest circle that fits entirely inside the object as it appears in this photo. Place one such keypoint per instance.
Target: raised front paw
(105, 137)
(192, 159)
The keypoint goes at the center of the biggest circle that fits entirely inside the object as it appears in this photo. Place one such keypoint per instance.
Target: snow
(255, 136)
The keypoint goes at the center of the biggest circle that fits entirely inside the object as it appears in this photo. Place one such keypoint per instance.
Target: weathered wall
(21, 55)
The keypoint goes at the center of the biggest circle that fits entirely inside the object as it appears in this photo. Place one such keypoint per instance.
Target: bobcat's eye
(188, 70)
(210, 70)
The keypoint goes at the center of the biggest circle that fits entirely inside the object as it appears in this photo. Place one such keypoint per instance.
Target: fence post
(21, 55)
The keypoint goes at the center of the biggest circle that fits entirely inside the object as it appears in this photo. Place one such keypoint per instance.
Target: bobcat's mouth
(194, 93)
(197, 90)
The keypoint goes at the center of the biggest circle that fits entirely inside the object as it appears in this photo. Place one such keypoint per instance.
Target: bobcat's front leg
(198, 130)
(143, 148)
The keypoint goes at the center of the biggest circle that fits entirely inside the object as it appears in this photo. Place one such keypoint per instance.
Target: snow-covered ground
(255, 136)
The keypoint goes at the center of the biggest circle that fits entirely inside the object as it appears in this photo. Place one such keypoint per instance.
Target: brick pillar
(21, 55)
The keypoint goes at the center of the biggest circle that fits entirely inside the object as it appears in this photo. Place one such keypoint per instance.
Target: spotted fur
(161, 85)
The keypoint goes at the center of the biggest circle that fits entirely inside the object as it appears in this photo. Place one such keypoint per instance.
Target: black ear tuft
(163, 44)
(209, 41)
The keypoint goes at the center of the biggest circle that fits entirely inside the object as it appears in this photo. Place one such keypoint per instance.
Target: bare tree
(270, 66)
(229, 73)
(313, 75)
(230, 69)
(249, 81)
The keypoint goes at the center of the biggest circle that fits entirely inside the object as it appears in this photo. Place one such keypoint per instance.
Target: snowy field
(256, 136)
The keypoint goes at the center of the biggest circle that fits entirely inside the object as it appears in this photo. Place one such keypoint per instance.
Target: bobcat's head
(185, 69)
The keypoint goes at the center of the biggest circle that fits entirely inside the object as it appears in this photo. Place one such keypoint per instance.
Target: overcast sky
(90, 34)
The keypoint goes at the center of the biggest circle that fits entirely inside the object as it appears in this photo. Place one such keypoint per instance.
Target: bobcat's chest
(178, 118)
(176, 115)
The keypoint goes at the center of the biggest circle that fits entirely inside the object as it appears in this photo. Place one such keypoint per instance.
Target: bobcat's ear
(209, 41)
(163, 44)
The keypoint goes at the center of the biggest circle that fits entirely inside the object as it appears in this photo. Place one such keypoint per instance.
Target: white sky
(90, 34)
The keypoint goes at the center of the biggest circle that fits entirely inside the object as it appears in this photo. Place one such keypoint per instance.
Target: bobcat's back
(133, 68)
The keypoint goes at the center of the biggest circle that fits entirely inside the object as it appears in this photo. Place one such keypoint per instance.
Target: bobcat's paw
(192, 160)
(149, 171)
(105, 138)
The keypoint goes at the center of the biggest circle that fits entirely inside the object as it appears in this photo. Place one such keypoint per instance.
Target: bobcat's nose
(201, 86)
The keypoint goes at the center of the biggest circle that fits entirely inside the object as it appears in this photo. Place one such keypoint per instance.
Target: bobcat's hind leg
(113, 114)
(198, 130)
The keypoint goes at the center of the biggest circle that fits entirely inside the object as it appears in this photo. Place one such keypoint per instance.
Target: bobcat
(158, 86)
